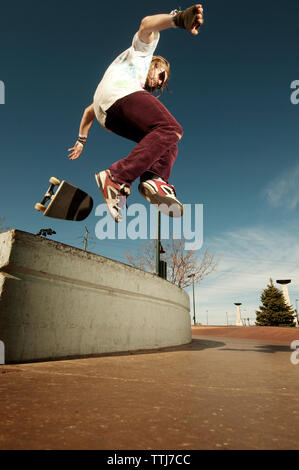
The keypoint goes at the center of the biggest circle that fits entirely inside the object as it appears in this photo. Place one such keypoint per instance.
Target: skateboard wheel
(40, 207)
(54, 181)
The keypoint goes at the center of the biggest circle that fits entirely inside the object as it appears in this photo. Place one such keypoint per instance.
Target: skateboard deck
(67, 202)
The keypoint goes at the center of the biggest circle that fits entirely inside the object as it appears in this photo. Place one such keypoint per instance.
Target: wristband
(173, 14)
(82, 140)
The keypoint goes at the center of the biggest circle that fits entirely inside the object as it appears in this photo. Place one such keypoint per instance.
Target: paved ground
(268, 333)
(219, 392)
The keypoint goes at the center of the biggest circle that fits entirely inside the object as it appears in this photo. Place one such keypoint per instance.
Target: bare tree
(180, 263)
(144, 257)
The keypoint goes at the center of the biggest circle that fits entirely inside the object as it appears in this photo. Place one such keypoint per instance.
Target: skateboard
(67, 202)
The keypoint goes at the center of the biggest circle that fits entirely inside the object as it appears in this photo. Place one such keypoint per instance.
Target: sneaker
(158, 192)
(114, 194)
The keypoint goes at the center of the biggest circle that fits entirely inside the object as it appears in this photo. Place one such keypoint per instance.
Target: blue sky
(231, 94)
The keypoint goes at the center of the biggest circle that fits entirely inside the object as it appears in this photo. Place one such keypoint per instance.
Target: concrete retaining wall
(59, 301)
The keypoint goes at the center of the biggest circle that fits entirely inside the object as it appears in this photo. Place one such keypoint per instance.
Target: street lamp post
(284, 283)
(239, 319)
(194, 320)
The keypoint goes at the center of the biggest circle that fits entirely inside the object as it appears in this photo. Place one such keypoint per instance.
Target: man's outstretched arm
(190, 19)
(85, 124)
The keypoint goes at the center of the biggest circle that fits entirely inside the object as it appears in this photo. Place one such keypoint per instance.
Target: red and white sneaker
(114, 194)
(158, 192)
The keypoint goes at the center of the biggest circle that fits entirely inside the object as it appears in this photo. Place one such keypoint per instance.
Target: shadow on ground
(194, 345)
(267, 348)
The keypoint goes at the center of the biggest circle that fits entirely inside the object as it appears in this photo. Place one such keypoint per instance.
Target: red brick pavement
(251, 332)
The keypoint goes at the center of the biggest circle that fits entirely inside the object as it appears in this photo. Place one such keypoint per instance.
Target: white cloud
(284, 190)
(250, 256)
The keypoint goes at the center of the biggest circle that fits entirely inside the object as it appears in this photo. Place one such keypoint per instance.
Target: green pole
(194, 319)
(158, 244)
(192, 275)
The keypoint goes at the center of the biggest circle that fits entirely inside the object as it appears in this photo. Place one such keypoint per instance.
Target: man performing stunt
(123, 103)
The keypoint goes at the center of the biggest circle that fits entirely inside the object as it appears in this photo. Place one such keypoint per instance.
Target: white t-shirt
(124, 76)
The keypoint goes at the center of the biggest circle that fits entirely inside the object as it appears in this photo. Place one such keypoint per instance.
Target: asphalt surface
(219, 392)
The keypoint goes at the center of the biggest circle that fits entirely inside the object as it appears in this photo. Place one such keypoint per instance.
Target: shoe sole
(100, 183)
(163, 202)
(100, 180)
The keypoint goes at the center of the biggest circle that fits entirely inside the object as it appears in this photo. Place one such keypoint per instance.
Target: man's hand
(199, 20)
(86, 122)
(190, 19)
(75, 151)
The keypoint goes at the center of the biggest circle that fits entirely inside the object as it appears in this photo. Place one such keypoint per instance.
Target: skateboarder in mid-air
(123, 103)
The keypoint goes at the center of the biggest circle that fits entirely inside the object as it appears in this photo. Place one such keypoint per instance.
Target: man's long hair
(158, 61)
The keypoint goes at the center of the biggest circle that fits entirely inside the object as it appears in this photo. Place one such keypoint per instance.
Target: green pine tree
(274, 311)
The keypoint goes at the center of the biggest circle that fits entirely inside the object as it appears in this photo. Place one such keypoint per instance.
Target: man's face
(157, 75)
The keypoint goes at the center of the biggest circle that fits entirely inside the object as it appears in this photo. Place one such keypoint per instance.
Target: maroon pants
(142, 118)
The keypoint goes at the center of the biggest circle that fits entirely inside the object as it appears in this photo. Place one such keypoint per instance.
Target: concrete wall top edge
(6, 240)
(26, 251)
